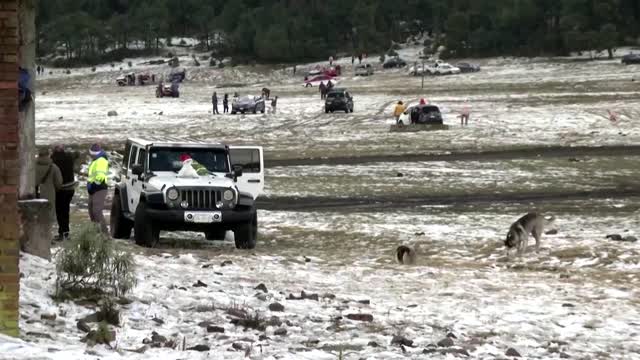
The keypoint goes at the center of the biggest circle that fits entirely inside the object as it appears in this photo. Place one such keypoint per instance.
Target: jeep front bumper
(195, 219)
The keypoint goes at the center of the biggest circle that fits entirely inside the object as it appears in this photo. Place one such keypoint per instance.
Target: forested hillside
(288, 30)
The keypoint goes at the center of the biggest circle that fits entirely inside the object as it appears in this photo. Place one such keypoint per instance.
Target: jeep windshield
(168, 159)
(335, 95)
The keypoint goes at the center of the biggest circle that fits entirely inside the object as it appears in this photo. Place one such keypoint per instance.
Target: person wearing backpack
(48, 180)
(64, 161)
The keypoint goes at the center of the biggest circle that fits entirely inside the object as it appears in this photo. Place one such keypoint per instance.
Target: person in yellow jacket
(97, 186)
(398, 110)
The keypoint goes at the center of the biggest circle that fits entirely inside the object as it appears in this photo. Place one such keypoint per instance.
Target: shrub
(90, 263)
(212, 62)
(129, 63)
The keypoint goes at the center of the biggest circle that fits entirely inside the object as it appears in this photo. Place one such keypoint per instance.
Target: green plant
(90, 263)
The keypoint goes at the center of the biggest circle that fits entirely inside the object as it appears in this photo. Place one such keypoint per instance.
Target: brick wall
(9, 168)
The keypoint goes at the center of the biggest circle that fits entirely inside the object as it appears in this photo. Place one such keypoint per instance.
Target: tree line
(85, 31)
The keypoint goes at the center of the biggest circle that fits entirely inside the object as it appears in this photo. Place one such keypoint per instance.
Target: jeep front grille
(201, 199)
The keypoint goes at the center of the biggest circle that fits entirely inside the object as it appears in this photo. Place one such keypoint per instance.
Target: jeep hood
(170, 179)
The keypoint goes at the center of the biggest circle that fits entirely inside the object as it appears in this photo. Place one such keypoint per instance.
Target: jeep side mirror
(237, 171)
(137, 169)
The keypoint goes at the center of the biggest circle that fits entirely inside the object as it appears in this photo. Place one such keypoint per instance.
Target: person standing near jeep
(97, 186)
(64, 161)
(48, 180)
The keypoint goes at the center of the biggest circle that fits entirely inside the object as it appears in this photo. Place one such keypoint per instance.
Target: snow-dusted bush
(90, 263)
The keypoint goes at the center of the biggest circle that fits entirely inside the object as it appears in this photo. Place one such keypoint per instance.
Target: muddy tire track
(489, 155)
(386, 203)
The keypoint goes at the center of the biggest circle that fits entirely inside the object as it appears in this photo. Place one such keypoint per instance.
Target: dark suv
(338, 99)
(425, 114)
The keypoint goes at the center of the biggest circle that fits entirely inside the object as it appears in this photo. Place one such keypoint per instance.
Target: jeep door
(251, 158)
(134, 184)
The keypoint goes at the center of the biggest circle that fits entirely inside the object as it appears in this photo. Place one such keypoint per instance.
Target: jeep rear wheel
(145, 233)
(120, 226)
(246, 234)
(215, 234)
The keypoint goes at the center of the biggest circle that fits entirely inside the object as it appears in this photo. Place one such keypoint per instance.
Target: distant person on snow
(214, 102)
(323, 90)
(274, 103)
(613, 116)
(423, 101)
(329, 86)
(225, 103)
(266, 93)
(464, 114)
(398, 110)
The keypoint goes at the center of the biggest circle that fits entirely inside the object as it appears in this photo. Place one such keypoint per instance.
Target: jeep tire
(144, 231)
(246, 234)
(120, 226)
(215, 234)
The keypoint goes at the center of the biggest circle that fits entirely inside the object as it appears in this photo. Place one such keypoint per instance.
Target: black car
(467, 68)
(338, 99)
(631, 59)
(394, 62)
(252, 104)
(425, 114)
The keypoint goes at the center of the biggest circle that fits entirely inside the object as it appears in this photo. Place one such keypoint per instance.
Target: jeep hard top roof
(169, 141)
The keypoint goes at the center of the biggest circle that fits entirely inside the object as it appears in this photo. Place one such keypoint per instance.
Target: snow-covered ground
(513, 102)
(454, 178)
(575, 298)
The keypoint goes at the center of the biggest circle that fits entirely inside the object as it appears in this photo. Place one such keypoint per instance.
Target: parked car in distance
(250, 104)
(338, 99)
(364, 70)
(316, 80)
(442, 68)
(631, 59)
(394, 62)
(467, 67)
(421, 114)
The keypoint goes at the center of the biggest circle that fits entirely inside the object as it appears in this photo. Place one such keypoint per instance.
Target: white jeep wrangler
(151, 196)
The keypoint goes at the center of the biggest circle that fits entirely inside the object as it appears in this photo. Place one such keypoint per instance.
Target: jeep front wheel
(246, 234)
(120, 226)
(215, 234)
(145, 233)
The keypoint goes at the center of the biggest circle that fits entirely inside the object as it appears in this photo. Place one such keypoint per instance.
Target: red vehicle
(316, 80)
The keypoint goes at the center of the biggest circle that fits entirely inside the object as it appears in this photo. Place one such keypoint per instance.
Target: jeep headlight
(173, 194)
(228, 195)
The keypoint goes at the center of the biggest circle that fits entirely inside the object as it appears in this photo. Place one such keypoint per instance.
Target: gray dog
(518, 236)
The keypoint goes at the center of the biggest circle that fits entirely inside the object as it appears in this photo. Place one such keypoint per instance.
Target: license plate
(203, 217)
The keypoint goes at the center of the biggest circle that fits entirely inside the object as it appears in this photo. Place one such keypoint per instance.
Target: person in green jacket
(97, 186)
